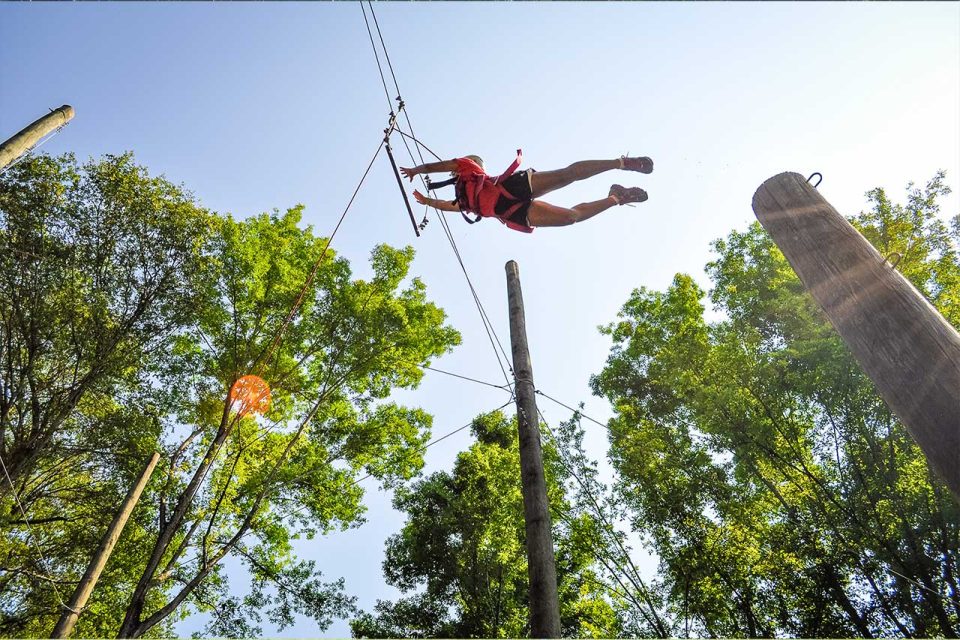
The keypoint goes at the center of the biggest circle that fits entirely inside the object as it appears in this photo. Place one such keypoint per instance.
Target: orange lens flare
(250, 394)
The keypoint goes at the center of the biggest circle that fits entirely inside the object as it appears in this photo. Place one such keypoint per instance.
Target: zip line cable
(440, 439)
(417, 142)
(393, 75)
(488, 326)
(316, 267)
(376, 56)
(382, 44)
(421, 449)
(504, 387)
(633, 575)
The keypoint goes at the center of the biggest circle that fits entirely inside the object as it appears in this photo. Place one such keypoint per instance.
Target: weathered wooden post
(82, 593)
(32, 133)
(541, 563)
(901, 341)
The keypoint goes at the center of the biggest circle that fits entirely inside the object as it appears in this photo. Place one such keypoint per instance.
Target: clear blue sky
(262, 106)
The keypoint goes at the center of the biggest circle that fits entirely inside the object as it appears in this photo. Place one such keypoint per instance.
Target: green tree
(244, 487)
(463, 547)
(781, 495)
(100, 265)
(128, 312)
(597, 516)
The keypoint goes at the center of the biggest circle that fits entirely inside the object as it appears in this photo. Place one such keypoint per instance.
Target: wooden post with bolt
(32, 133)
(900, 340)
(541, 563)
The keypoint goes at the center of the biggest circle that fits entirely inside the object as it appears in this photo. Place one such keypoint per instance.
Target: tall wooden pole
(901, 341)
(82, 593)
(32, 133)
(541, 564)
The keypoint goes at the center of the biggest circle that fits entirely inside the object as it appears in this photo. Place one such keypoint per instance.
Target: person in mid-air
(513, 196)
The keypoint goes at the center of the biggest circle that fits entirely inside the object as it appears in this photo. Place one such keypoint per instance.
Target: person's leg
(542, 182)
(544, 214)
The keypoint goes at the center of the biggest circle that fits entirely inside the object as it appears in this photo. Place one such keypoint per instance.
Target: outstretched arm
(443, 205)
(430, 167)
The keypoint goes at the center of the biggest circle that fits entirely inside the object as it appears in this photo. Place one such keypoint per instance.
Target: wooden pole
(541, 564)
(82, 593)
(901, 341)
(32, 133)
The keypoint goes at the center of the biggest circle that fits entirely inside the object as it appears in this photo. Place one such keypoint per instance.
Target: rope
(417, 142)
(33, 538)
(393, 75)
(421, 449)
(316, 267)
(433, 442)
(488, 326)
(577, 411)
(382, 44)
(939, 595)
(633, 575)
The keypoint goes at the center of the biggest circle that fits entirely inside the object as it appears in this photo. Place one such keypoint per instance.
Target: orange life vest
(478, 193)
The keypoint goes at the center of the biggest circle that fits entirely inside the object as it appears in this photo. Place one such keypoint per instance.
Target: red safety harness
(479, 193)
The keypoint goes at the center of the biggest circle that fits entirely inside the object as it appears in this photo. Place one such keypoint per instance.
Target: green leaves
(779, 492)
(331, 351)
(99, 267)
(463, 545)
(127, 312)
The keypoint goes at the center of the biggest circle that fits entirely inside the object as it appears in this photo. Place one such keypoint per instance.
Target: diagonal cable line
(421, 449)
(437, 440)
(488, 326)
(316, 266)
(503, 387)
(578, 411)
(44, 563)
(377, 56)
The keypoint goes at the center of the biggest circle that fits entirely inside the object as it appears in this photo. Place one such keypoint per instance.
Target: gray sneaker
(643, 165)
(626, 195)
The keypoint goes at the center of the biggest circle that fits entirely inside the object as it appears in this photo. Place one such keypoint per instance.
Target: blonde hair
(476, 159)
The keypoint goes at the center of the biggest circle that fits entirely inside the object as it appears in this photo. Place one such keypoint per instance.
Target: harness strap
(513, 167)
(470, 186)
(437, 185)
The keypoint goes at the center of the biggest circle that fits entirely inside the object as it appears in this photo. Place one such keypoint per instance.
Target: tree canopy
(779, 492)
(130, 314)
(462, 554)
(750, 453)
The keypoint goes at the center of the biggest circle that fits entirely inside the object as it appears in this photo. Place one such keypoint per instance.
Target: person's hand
(409, 173)
(419, 197)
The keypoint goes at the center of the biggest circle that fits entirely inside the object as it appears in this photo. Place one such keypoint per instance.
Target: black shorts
(517, 185)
